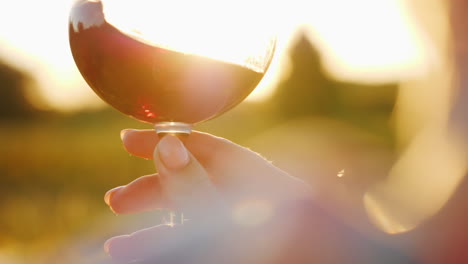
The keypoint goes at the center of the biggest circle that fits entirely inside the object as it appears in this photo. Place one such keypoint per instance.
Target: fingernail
(123, 132)
(107, 246)
(109, 194)
(173, 153)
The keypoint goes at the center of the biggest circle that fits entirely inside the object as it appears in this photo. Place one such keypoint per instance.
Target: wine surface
(150, 83)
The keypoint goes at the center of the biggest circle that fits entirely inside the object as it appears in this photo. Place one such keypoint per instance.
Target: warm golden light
(433, 158)
(234, 32)
(420, 183)
(349, 37)
(368, 40)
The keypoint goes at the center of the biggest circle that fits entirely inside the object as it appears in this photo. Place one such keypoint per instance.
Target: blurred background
(358, 103)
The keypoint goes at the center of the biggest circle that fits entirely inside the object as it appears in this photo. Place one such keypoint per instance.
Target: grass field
(54, 173)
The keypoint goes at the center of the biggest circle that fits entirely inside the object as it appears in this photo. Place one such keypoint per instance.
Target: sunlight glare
(361, 40)
(369, 40)
(227, 31)
(434, 175)
(36, 42)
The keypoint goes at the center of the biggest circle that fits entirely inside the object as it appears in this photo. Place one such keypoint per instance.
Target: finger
(139, 245)
(211, 151)
(171, 244)
(231, 167)
(209, 241)
(183, 179)
(143, 194)
(140, 143)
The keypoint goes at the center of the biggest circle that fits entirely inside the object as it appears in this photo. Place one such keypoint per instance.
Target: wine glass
(170, 63)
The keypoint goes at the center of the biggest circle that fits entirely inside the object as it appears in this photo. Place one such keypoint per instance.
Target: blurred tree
(14, 88)
(64, 165)
(310, 91)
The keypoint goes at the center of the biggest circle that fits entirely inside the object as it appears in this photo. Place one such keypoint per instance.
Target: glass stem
(175, 218)
(180, 130)
(175, 128)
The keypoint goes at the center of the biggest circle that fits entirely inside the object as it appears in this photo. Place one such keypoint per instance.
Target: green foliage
(15, 87)
(55, 170)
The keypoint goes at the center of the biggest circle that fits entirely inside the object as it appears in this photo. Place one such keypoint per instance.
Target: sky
(361, 40)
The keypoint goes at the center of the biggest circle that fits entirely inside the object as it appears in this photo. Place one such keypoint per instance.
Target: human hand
(232, 197)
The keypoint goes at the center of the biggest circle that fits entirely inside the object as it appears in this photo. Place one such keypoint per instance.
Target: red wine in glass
(151, 83)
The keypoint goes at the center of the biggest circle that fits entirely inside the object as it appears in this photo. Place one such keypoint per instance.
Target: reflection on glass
(170, 67)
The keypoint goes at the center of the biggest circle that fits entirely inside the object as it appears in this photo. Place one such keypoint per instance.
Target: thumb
(184, 181)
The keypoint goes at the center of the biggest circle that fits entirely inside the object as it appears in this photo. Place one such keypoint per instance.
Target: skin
(207, 179)
(218, 174)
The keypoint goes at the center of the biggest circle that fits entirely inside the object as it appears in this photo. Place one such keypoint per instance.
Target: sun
(363, 40)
